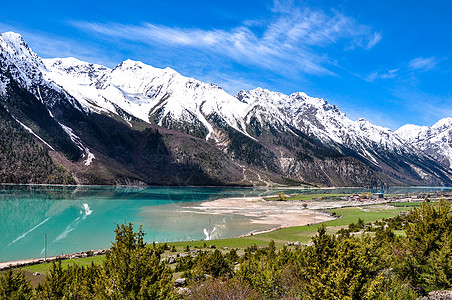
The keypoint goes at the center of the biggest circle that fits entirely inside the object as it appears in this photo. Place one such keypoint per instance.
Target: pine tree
(15, 286)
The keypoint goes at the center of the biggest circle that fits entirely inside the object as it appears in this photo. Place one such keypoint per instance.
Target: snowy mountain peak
(130, 65)
(435, 140)
(286, 134)
(445, 123)
(409, 132)
(19, 60)
(15, 45)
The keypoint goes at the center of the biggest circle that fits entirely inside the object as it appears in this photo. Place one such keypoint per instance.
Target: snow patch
(77, 141)
(33, 133)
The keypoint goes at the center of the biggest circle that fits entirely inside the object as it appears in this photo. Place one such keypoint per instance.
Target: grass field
(406, 204)
(44, 268)
(282, 236)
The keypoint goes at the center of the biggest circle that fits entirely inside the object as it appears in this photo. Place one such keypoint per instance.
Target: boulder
(180, 282)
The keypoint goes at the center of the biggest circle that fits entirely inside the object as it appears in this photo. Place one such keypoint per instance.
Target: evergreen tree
(15, 286)
(133, 270)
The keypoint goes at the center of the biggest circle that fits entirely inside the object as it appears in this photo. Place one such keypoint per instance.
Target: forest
(404, 257)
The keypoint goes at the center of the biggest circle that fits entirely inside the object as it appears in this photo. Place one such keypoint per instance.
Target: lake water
(83, 218)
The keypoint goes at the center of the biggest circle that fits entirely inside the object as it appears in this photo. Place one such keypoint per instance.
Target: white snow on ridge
(143, 91)
(17, 53)
(411, 132)
(3, 84)
(315, 117)
(33, 133)
(435, 140)
(77, 141)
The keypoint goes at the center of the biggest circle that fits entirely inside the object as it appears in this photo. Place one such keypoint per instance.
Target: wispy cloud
(375, 39)
(385, 75)
(422, 63)
(295, 39)
(414, 65)
(48, 45)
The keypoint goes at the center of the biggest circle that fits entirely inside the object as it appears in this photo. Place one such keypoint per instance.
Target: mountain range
(68, 121)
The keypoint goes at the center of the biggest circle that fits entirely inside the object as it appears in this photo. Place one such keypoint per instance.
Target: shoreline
(277, 214)
(271, 213)
(35, 261)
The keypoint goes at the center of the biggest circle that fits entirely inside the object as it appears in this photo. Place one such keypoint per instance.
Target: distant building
(379, 195)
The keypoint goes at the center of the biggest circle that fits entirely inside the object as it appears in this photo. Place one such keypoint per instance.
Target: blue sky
(387, 61)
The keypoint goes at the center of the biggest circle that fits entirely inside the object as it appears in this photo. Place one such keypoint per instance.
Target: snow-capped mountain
(435, 140)
(166, 98)
(159, 96)
(316, 117)
(117, 116)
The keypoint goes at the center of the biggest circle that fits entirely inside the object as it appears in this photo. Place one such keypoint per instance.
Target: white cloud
(293, 41)
(47, 45)
(421, 63)
(390, 74)
(375, 39)
(417, 64)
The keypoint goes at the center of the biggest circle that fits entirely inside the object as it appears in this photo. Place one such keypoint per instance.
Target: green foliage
(214, 264)
(55, 283)
(427, 227)
(184, 263)
(15, 286)
(337, 267)
(73, 282)
(438, 271)
(386, 287)
(131, 270)
(424, 254)
(232, 257)
(281, 196)
(134, 271)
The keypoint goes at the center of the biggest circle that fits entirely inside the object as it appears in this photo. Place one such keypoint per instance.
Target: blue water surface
(78, 218)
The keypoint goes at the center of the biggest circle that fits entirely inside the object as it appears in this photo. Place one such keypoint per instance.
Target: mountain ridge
(272, 137)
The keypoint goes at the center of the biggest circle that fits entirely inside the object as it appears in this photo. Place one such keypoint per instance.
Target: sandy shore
(24, 262)
(278, 214)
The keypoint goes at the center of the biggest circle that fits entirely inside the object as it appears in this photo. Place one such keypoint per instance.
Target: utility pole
(45, 247)
(208, 230)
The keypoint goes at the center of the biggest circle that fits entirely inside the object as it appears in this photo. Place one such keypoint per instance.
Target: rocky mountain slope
(435, 140)
(139, 124)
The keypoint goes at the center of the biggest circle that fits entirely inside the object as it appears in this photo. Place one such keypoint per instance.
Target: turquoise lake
(83, 218)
